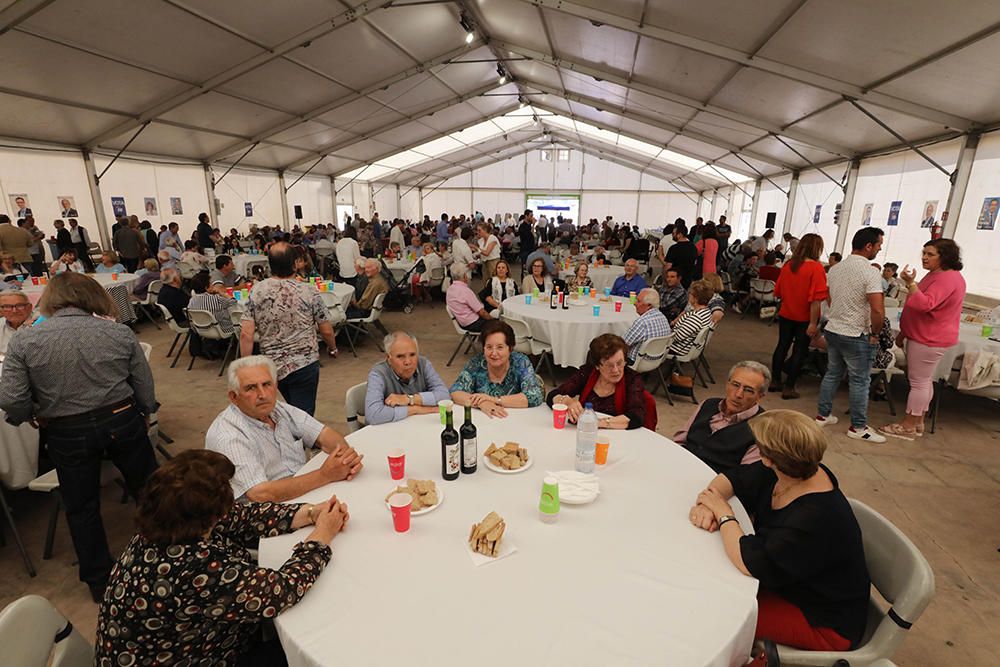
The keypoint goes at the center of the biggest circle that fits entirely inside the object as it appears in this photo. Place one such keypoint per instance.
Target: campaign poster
(248, 209)
(20, 206)
(175, 206)
(866, 215)
(819, 207)
(149, 204)
(988, 216)
(118, 207)
(930, 214)
(67, 206)
(894, 207)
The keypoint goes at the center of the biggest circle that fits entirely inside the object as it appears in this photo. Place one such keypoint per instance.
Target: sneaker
(865, 434)
(736, 308)
(826, 421)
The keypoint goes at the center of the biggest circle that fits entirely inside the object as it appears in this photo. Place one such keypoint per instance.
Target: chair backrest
(187, 270)
(154, 290)
(891, 303)
(761, 289)
(522, 334)
(204, 323)
(454, 321)
(727, 281)
(651, 353)
(147, 349)
(32, 631)
(354, 405)
(171, 322)
(898, 571)
(377, 306)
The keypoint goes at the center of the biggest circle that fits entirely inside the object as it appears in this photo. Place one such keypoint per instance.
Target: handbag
(682, 385)
(767, 312)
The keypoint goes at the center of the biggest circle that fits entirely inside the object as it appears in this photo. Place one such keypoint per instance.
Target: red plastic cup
(229, 292)
(618, 306)
(114, 276)
(34, 280)
(559, 415)
(399, 504)
(397, 463)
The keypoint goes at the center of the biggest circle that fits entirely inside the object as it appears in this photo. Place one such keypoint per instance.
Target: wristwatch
(726, 519)
(409, 397)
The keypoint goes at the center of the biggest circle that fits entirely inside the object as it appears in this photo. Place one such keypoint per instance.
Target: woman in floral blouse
(498, 378)
(186, 590)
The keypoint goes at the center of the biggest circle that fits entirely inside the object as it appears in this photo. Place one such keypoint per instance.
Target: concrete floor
(943, 490)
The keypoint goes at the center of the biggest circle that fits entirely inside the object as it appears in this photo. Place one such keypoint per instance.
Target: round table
(244, 262)
(120, 291)
(970, 338)
(569, 331)
(625, 580)
(601, 276)
(18, 453)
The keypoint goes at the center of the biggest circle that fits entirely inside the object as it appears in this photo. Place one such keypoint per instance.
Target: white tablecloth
(338, 300)
(570, 331)
(399, 267)
(624, 581)
(970, 337)
(120, 290)
(243, 263)
(602, 276)
(18, 453)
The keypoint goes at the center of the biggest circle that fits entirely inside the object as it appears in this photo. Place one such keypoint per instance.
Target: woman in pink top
(928, 327)
(708, 249)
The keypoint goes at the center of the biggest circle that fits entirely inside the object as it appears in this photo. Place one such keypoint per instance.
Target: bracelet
(726, 519)
(309, 514)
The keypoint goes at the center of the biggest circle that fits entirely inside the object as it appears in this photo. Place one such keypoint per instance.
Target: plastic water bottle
(586, 439)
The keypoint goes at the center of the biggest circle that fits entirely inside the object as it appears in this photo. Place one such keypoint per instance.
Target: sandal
(899, 431)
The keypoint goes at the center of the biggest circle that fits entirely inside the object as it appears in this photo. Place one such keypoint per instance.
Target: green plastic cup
(443, 408)
(548, 504)
(987, 330)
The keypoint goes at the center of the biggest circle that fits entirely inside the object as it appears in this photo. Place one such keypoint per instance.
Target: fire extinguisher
(936, 227)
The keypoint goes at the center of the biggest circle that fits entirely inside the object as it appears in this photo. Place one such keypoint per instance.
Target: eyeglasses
(16, 306)
(744, 389)
(616, 366)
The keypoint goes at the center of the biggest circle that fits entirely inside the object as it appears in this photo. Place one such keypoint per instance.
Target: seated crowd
(204, 509)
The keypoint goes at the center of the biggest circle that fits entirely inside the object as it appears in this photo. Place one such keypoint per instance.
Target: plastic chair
(694, 357)
(9, 518)
(902, 576)
(354, 406)
(649, 357)
(526, 343)
(154, 433)
(146, 304)
(362, 325)
(466, 335)
(178, 329)
(33, 632)
(761, 291)
(188, 270)
(204, 323)
(884, 376)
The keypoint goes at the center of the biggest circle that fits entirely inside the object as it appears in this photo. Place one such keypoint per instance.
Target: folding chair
(363, 325)
(205, 324)
(650, 357)
(694, 357)
(146, 304)
(34, 634)
(354, 406)
(526, 343)
(465, 334)
(178, 329)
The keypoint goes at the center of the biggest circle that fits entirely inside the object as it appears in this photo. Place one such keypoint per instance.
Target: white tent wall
(410, 205)
(491, 202)
(980, 247)
(604, 175)
(315, 197)
(908, 178)
(44, 176)
(509, 173)
(771, 200)
(262, 189)
(135, 180)
(361, 198)
(386, 200)
(816, 189)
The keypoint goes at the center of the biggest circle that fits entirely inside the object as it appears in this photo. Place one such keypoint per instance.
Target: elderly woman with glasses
(607, 384)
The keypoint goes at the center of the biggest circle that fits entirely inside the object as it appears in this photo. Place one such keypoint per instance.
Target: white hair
(460, 271)
(253, 361)
(650, 296)
(359, 263)
(755, 367)
(392, 337)
(16, 293)
(168, 275)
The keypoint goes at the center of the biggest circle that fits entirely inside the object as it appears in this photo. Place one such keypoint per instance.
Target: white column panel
(540, 174)
(386, 204)
(409, 207)
(45, 177)
(772, 200)
(361, 197)
(262, 189)
(313, 195)
(568, 173)
(981, 247)
(653, 210)
(136, 180)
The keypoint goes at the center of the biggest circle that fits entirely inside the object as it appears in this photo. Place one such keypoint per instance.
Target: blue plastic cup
(597, 311)
(527, 299)
(607, 291)
(586, 291)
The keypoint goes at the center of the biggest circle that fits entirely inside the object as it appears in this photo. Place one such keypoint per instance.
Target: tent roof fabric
(700, 94)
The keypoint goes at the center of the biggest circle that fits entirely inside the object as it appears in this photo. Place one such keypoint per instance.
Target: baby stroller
(399, 295)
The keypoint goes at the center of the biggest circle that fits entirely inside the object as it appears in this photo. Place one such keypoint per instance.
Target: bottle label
(451, 458)
(469, 452)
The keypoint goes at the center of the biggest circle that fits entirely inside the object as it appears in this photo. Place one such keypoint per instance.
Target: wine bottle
(470, 451)
(553, 299)
(449, 448)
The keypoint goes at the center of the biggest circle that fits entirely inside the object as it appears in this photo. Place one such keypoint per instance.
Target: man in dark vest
(717, 432)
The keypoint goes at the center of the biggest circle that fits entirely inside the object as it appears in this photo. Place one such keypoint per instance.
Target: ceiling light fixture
(502, 73)
(520, 102)
(468, 26)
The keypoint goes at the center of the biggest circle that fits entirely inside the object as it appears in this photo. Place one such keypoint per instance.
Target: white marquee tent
(646, 109)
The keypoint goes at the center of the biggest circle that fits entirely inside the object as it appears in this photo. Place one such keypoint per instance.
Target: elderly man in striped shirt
(266, 439)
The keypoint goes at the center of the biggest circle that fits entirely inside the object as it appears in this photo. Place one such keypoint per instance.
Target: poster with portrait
(988, 216)
(118, 207)
(248, 209)
(819, 207)
(866, 215)
(894, 207)
(20, 206)
(176, 208)
(149, 205)
(67, 206)
(930, 214)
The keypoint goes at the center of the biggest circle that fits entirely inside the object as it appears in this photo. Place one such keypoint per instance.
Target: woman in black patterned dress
(186, 590)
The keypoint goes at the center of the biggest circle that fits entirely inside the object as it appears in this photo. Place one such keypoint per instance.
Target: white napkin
(577, 487)
(506, 548)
